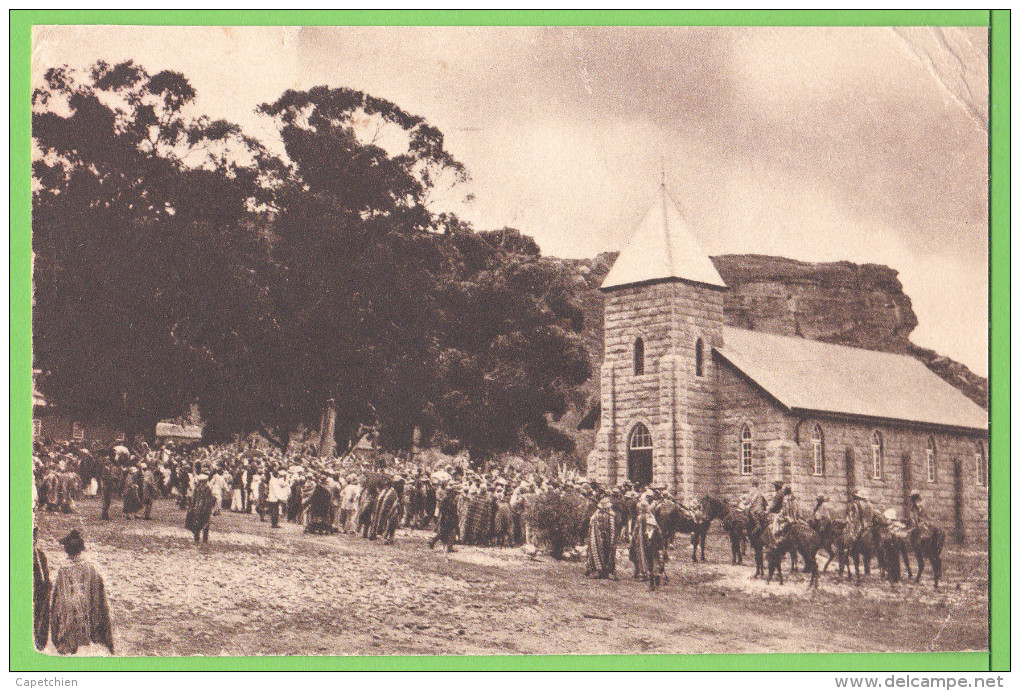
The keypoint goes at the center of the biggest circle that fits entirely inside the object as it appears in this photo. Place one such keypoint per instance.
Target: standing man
(279, 493)
(200, 514)
(149, 489)
(109, 481)
(80, 617)
(448, 523)
(602, 541)
(42, 587)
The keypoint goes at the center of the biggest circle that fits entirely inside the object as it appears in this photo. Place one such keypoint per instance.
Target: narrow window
(982, 465)
(699, 358)
(876, 456)
(745, 450)
(639, 356)
(77, 431)
(817, 451)
(930, 459)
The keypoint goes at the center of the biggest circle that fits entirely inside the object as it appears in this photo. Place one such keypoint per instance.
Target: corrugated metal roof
(662, 247)
(813, 376)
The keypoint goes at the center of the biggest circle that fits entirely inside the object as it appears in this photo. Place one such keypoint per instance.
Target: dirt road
(256, 591)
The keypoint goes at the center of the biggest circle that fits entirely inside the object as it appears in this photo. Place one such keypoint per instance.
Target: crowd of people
(496, 507)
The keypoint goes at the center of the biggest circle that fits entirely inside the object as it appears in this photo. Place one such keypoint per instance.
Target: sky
(819, 144)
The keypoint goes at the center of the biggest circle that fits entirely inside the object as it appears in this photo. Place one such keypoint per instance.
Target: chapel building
(699, 407)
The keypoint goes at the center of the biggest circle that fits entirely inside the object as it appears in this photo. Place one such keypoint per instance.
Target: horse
(928, 541)
(829, 531)
(889, 548)
(736, 522)
(673, 518)
(802, 538)
(856, 544)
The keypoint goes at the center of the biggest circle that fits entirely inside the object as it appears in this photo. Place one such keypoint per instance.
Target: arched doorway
(639, 455)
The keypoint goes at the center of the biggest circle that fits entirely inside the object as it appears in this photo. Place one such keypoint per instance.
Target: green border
(23, 657)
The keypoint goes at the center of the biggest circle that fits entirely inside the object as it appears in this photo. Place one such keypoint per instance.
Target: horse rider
(787, 511)
(754, 501)
(860, 514)
(777, 497)
(821, 512)
(917, 516)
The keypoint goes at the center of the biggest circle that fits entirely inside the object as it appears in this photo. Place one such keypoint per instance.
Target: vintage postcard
(509, 340)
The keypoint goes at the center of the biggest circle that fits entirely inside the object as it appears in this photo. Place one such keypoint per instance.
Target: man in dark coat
(449, 521)
(40, 594)
(199, 516)
(320, 509)
(109, 481)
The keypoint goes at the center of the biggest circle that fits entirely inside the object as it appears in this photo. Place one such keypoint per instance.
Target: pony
(928, 541)
(736, 523)
(674, 518)
(802, 538)
(857, 545)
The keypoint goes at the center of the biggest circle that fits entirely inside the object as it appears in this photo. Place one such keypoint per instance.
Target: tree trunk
(327, 430)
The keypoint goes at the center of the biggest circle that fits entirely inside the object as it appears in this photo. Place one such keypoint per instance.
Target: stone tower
(663, 316)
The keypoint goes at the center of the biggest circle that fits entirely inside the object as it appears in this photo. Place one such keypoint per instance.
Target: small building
(701, 408)
(61, 425)
(178, 433)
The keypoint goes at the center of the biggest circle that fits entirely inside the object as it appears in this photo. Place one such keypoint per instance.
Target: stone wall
(782, 448)
(677, 405)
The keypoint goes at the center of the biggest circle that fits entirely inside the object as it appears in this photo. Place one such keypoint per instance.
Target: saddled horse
(829, 531)
(675, 518)
(857, 544)
(928, 541)
(890, 546)
(795, 536)
(736, 522)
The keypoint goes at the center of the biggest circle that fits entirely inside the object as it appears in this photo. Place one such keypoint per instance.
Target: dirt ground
(256, 591)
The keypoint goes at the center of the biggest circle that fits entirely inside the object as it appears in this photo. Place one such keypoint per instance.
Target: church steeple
(663, 247)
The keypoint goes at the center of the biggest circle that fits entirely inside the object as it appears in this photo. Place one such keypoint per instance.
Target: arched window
(639, 356)
(639, 455)
(982, 465)
(640, 437)
(930, 459)
(876, 456)
(699, 358)
(817, 451)
(745, 450)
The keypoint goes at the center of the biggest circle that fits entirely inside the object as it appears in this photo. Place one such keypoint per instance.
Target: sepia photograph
(509, 340)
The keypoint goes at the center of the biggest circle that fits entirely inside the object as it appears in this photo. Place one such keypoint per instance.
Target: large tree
(148, 258)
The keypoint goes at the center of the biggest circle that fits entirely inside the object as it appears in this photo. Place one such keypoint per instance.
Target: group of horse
(843, 541)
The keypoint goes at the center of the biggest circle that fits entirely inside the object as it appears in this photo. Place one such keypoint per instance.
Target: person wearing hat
(777, 497)
(449, 520)
(917, 515)
(753, 500)
(132, 493)
(200, 514)
(602, 541)
(646, 546)
(149, 490)
(80, 613)
(860, 514)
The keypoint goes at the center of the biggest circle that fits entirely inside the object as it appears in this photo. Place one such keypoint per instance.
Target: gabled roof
(663, 247)
(812, 376)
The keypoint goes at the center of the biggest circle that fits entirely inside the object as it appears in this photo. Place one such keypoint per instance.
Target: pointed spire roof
(662, 248)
